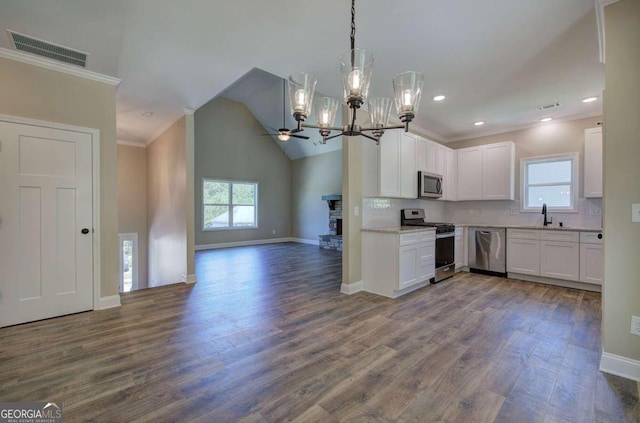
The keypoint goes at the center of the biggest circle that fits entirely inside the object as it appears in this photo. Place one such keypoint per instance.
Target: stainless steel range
(445, 241)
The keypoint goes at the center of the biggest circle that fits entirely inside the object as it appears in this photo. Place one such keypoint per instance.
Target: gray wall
(166, 211)
(37, 93)
(229, 145)
(621, 295)
(313, 177)
(132, 201)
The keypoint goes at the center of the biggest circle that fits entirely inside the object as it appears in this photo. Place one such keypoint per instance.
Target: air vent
(548, 106)
(49, 50)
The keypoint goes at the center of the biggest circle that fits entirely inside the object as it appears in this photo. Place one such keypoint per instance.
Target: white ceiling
(495, 60)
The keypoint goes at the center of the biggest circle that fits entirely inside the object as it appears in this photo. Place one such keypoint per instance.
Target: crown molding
(600, 5)
(131, 144)
(57, 66)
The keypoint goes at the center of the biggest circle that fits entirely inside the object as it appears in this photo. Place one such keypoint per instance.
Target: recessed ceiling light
(439, 98)
(147, 114)
(547, 119)
(589, 99)
(478, 123)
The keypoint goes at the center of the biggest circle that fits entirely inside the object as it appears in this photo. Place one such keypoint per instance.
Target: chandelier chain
(353, 30)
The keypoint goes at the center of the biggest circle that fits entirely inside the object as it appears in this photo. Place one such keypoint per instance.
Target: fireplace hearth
(333, 239)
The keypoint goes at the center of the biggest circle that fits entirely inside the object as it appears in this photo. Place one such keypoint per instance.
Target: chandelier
(356, 68)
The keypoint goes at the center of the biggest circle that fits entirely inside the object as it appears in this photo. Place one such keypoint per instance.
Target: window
(229, 204)
(128, 262)
(552, 180)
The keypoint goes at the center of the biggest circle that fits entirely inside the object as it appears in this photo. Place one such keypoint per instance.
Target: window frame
(229, 204)
(575, 182)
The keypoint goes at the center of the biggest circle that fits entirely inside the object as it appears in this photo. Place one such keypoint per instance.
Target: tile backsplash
(383, 212)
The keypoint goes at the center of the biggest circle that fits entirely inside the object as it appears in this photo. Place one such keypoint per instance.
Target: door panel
(46, 188)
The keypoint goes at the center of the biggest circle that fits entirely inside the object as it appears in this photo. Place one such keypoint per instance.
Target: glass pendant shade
(356, 68)
(379, 110)
(283, 137)
(326, 109)
(407, 87)
(301, 88)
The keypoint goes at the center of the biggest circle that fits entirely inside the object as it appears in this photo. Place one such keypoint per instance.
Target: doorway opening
(128, 262)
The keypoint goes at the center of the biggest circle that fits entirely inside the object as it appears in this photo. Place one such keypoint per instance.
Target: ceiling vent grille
(49, 50)
(548, 106)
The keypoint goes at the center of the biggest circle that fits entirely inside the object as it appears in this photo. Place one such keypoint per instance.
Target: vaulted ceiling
(495, 60)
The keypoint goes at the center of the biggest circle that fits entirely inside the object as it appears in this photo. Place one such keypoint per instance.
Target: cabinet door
(408, 172)
(389, 160)
(591, 263)
(593, 158)
(560, 260)
(441, 159)
(421, 153)
(469, 173)
(459, 250)
(450, 183)
(498, 167)
(408, 266)
(426, 260)
(523, 256)
(431, 157)
(370, 169)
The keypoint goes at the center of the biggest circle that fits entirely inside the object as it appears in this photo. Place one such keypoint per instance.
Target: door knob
(85, 231)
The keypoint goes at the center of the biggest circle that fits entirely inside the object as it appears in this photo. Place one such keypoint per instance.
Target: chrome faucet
(544, 212)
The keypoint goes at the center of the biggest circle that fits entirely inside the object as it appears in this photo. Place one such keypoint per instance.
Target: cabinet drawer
(523, 234)
(412, 238)
(564, 236)
(591, 238)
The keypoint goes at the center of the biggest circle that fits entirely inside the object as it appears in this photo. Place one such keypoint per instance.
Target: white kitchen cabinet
(450, 183)
(460, 251)
(440, 159)
(470, 173)
(593, 162)
(408, 173)
(523, 251)
(487, 172)
(560, 255)
(591, 258)
(498, 171)
(397, 177)
(394, 264)
(422, 147)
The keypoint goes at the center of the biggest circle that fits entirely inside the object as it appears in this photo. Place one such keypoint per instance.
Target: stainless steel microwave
(429, 185)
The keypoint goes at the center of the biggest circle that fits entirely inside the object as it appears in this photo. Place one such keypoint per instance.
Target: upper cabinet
(487, 172)
(397, 176)
(593, 159)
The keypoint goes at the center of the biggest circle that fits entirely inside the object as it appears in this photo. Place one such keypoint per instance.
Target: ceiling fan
(284, 133)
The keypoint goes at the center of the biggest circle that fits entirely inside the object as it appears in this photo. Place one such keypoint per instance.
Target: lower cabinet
(459, 256)
(396, 263)
(555, 254)
(591, 258)
(560, 260)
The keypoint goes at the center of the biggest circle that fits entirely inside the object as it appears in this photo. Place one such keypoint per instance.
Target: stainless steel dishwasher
(487, 250)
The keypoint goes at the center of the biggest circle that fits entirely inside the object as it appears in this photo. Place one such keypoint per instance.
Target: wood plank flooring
(266, 336)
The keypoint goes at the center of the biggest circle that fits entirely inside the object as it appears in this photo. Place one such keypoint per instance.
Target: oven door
(445, 249)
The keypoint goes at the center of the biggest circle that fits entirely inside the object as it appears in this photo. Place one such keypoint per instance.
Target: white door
(46, 256)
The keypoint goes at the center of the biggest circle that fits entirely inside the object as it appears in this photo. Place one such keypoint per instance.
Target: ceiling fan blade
(304, 137)
(293, 131)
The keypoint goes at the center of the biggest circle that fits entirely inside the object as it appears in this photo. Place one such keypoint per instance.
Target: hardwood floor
(265, 336)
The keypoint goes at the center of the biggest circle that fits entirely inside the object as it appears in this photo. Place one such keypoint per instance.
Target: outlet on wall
(515, 210)
(635, 325)
(595, 211)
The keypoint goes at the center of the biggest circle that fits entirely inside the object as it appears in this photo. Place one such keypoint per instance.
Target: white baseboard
(108, 302)
(241, 243)
(306, 241)
(620, 366)
(190, 278)
(556, 282)
(351, 288)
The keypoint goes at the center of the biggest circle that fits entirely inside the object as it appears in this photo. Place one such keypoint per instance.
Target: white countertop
(545, 228)
(410, 229)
